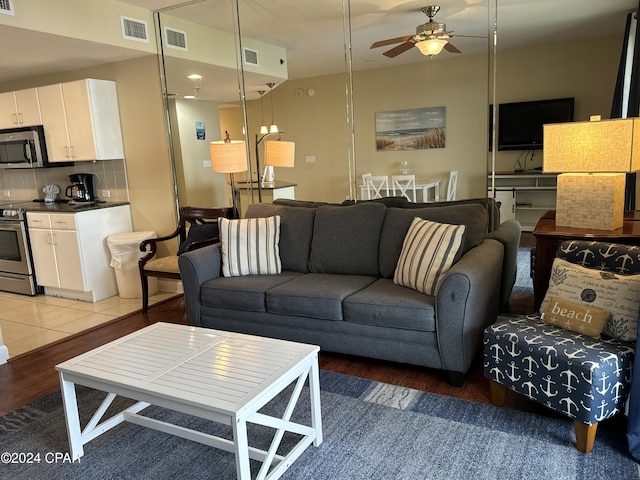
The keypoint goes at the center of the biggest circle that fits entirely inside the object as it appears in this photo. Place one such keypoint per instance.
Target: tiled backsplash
(26, 184)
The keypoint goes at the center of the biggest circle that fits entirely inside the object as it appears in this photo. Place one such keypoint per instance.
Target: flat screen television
(520, 124)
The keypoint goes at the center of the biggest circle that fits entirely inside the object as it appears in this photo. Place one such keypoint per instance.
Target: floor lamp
(229, 156)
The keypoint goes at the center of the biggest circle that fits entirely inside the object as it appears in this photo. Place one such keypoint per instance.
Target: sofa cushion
(245, 293)
(385, 304)
(387, 201)
(397, 221)
(250, 246)
(492, 207)
(346, 239)
(300, 203)
(428, 252)
(296, 231)
(315, 295)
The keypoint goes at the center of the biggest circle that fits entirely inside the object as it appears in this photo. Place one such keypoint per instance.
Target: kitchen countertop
(65, 206)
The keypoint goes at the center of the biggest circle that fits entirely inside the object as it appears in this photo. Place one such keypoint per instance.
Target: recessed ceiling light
(194, 76)
(189, 96)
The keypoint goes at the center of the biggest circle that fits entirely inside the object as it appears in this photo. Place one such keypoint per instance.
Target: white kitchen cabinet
(524, 196)
(19, 109)
(81, 120)
(70, 252)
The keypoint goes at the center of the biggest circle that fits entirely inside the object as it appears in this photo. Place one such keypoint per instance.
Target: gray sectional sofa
(336, 288)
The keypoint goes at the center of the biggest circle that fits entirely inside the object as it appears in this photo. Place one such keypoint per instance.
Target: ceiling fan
(430, 38)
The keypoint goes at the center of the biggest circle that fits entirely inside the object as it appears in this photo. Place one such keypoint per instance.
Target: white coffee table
(220, 376)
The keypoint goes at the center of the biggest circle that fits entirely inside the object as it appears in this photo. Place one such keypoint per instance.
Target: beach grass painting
(414, 129)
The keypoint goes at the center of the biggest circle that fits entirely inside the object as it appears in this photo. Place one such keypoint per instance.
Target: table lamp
(592, 159)
(229, 156)
(277, 153)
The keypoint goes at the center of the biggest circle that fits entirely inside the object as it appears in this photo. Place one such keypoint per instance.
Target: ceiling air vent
(250, 57)
(6, 7)
(134, 29)
(175, 38)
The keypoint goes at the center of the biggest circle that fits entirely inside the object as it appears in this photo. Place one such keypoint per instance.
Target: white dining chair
(377, 186)
(451, 187)
(404, 186)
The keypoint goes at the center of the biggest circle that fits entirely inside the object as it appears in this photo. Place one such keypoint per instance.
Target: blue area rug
(524, 282)
(371, 431)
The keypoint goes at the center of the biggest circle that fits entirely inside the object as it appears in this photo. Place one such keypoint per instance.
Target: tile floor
(30, 322)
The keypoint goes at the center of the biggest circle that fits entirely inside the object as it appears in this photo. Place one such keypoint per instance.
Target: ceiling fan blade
(451, 49)
(468, 36)
(395, 51)
(390, 41)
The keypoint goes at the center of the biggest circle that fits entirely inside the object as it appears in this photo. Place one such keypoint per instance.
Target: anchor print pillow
(576, 318)
(618, 294)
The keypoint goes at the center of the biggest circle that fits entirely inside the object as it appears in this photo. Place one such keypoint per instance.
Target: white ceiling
(312, 31)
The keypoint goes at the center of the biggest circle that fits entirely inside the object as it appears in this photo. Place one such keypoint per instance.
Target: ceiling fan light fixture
(433, 46)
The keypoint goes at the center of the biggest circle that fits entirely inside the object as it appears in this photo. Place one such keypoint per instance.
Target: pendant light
(263, 128)
(274, 127)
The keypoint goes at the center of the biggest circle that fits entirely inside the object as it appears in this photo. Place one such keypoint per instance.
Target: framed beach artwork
(414, 129)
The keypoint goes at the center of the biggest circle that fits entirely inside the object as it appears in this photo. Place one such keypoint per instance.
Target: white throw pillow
(618, 294)
(428, 252)
(250, 246)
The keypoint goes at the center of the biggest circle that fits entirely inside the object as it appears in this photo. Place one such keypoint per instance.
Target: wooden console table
(549, 237)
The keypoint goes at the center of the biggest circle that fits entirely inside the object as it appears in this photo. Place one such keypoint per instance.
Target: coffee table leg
(241, 443)
(70, 404)
(314, 393)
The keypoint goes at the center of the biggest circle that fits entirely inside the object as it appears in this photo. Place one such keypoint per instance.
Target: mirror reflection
(363, 111)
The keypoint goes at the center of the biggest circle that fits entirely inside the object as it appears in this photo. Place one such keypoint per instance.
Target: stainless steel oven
(16, 267)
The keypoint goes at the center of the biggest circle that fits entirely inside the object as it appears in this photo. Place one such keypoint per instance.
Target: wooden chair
(406, 186)
(196, 228)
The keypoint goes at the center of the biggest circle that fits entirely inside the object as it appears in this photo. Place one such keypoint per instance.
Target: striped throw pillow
(428, 252)
(250, 246)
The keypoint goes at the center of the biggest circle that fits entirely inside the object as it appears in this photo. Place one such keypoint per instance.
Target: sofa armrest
(508, 234)
(466, 302)
(196, 267)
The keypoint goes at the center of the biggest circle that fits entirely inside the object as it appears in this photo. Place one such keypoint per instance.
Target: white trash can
(125, 253)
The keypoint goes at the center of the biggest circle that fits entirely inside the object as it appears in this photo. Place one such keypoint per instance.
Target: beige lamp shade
(229, 157)
(432, 46)
(279, 153)
(604, 146)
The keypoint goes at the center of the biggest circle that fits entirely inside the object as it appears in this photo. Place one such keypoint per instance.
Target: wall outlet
(6, 193)
(105, 193)
(310, 159)
(206, 163)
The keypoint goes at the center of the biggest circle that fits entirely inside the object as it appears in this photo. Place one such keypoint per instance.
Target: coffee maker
(82, 189)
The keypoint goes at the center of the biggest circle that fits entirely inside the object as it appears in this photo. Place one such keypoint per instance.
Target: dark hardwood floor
(30, 376)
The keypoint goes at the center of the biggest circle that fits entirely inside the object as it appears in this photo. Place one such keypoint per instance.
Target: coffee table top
(223, 371)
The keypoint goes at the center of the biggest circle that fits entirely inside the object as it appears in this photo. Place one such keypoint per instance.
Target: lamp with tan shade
(593, 158)
(229, 156)
(277, 153)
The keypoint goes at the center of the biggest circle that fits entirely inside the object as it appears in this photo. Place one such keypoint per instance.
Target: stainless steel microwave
(23, 147)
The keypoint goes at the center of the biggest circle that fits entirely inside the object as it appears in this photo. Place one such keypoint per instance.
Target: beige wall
(317, 124)
(197, 184)
(584, 69)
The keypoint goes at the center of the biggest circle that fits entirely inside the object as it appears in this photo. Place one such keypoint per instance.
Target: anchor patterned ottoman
(582, 377)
